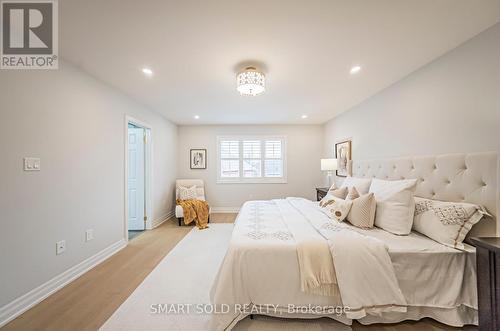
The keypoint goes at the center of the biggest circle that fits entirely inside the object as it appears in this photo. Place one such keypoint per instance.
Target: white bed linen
(365, 274)
(436, 281)
(317, 272)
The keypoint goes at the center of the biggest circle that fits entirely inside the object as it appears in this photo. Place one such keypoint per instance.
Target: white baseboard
(33, 297)
(159, 221)
(224, 210)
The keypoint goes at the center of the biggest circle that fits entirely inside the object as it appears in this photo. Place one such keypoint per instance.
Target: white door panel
(136, 192)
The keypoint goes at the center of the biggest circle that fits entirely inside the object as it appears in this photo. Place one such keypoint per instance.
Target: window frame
(252, 180)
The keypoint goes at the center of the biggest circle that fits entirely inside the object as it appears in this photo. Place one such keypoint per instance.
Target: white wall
(451, 105)
(75, 124)
(304, 149)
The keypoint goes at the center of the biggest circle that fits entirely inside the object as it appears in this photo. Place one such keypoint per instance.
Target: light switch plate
(89, 234)
(31, 164)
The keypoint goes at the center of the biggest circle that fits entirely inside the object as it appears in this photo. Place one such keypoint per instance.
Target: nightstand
(321, 192)
(488, 282)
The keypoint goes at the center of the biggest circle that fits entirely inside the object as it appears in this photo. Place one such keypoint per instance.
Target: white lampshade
(328, 164)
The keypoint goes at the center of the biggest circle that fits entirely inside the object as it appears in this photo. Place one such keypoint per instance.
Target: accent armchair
(200, 195)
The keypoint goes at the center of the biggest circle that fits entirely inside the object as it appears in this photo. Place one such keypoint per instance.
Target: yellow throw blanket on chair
(195, 210)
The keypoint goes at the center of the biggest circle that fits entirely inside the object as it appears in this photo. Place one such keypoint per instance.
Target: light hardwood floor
(89, 301)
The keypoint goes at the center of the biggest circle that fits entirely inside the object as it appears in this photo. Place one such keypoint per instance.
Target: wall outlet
(89, 234)
(60, 247)
(31, 164)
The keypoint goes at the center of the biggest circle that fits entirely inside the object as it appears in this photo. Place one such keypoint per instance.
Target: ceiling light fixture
(147, 71)
(304, 116)
(251, 82)
(196, 117)
(355, 70)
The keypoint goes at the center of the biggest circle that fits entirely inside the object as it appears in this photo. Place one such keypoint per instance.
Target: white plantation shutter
(230, 149)
(229, 158)
(273, 163)
(251, 159)
(251, 149)
(273, 149)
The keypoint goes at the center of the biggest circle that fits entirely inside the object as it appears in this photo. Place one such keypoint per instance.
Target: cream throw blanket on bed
(367, 282)
(317, 273)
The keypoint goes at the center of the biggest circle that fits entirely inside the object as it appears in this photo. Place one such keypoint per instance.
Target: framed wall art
(198, 158)
(343, 155)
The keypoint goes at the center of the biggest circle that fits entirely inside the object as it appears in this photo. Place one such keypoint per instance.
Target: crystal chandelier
(251, 82)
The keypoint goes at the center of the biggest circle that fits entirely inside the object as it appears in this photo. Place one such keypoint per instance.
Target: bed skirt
(457, 317)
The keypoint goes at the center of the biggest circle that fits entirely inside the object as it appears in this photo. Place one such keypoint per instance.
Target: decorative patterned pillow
(328, 197)
(446, 222)
(336, 208)
(362, 213)
(186, 193)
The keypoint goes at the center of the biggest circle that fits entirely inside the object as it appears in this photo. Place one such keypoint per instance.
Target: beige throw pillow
(352, 194)
(359, 211)
(362, 212)
(339, 192)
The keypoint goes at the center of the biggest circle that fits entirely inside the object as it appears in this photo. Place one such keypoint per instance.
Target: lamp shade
(328, 164)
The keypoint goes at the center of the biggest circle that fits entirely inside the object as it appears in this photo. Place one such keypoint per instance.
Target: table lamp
(329, 165)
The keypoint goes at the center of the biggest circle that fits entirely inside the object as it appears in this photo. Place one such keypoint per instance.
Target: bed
(260, 273)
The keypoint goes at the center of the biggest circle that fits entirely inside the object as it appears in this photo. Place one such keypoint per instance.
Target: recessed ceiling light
(147, 71)
(196, 117)
(355, 70)
(304, 116)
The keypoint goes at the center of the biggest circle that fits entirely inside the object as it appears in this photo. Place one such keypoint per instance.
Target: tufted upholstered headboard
(449, 177)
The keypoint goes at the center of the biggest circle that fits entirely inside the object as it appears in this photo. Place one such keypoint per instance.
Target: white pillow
(446, 222)
(186, 193)
(395, 204)
(361, 184)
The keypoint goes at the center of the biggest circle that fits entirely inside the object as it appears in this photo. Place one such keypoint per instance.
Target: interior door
(136, 179)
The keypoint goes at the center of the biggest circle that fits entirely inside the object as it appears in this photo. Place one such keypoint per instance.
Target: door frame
(148, 173)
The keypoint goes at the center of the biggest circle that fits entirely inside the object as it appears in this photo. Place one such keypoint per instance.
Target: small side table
(488, 282)
(321, 192)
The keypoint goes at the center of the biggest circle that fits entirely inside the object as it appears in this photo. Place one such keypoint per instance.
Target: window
(251, 159)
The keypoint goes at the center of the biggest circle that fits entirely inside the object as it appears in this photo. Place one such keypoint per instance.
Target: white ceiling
(306, 49)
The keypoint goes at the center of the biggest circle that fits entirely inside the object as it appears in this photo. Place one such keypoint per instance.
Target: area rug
(185, 276)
